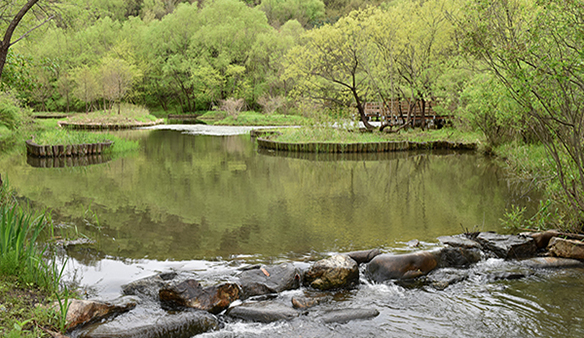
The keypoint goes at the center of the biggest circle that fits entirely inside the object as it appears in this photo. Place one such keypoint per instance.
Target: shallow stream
(209, 204)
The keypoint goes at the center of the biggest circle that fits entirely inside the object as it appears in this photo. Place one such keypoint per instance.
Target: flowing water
(209, 204)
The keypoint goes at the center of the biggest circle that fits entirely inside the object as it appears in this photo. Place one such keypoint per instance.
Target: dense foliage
(512, 69)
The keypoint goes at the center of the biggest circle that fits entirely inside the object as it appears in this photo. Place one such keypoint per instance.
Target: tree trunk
(5, 43)
(361, 110)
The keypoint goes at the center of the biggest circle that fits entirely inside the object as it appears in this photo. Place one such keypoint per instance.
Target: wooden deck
(397, 112)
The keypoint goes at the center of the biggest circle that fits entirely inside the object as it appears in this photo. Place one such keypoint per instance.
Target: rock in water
(459, 241)
(190, 294)
(346, 315)
(553, 263)
(508, 246)
(304, 302)
(84, 311)
(269, 279)
(567, 248)
(157, 325)
(335, 272)
(458, 257)
(263, 312)
(149, 287)
(542, 239)
(364, 256)
(386, 267)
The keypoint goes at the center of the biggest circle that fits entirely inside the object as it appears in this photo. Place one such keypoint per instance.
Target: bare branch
(32, 29)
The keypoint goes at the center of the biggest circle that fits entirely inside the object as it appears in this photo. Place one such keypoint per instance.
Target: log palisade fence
(61, 150)
(368, 147)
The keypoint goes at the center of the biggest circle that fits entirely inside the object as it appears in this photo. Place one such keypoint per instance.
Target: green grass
(25, 310)
(251, 118)
(129, 114)
(529, 165)
(339, 135)
(27, 268)
(69, 137)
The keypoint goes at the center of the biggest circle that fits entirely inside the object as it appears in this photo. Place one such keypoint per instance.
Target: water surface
(211, 204)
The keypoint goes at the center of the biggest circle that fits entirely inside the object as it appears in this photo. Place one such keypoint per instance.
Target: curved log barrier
(67, 161)
(101, 126)
(33, 149)
(373, 147)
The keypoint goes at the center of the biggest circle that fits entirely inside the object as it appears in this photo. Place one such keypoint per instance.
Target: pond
(210, 204)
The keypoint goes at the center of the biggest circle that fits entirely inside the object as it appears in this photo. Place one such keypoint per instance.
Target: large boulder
(269, 279)
(508, 246)
(346, 315)
(81, 312)
(335, 272)
(364, 256)
(566, 248)
(263, 312)
(191, 294)
(149, 287)
(145, 324)
(385, 267)
(457, 257)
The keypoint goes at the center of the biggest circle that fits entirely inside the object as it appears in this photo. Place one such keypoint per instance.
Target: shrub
(11, 114)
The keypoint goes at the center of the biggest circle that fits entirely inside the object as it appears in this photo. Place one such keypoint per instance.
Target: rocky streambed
(336, 296)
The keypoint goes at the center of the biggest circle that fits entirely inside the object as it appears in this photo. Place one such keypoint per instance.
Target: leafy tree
(11, 15)
(413, 42)
(329, 66)
(86, 88)
(535, 50)
(117, 78)
(307, 12)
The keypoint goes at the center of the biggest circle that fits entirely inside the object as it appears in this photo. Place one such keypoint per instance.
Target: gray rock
(364, 256)
(457, 257)
(566, 248)
(386, 267)
(269, 279)
(442, 278)
(508, 246)
(191, 294)
(335, 272)
(149, 287)
(152, 325)
(263, 312)
(459, 241)
(346, 315)
(552, 263)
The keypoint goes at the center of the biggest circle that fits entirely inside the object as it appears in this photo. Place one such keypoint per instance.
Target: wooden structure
(398, 112)
(372, 147)
(61, 150)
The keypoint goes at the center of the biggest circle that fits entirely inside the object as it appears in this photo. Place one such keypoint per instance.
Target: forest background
(512, 69)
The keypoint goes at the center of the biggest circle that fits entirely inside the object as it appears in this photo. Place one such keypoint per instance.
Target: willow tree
(329, 66)
(535, 50)
(413, 42)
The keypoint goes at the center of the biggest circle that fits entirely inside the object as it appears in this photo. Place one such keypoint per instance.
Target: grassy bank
(339, 135)
(47, 132)
(30, 278)
(529, 166)
(127, 115)
(251, 118)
